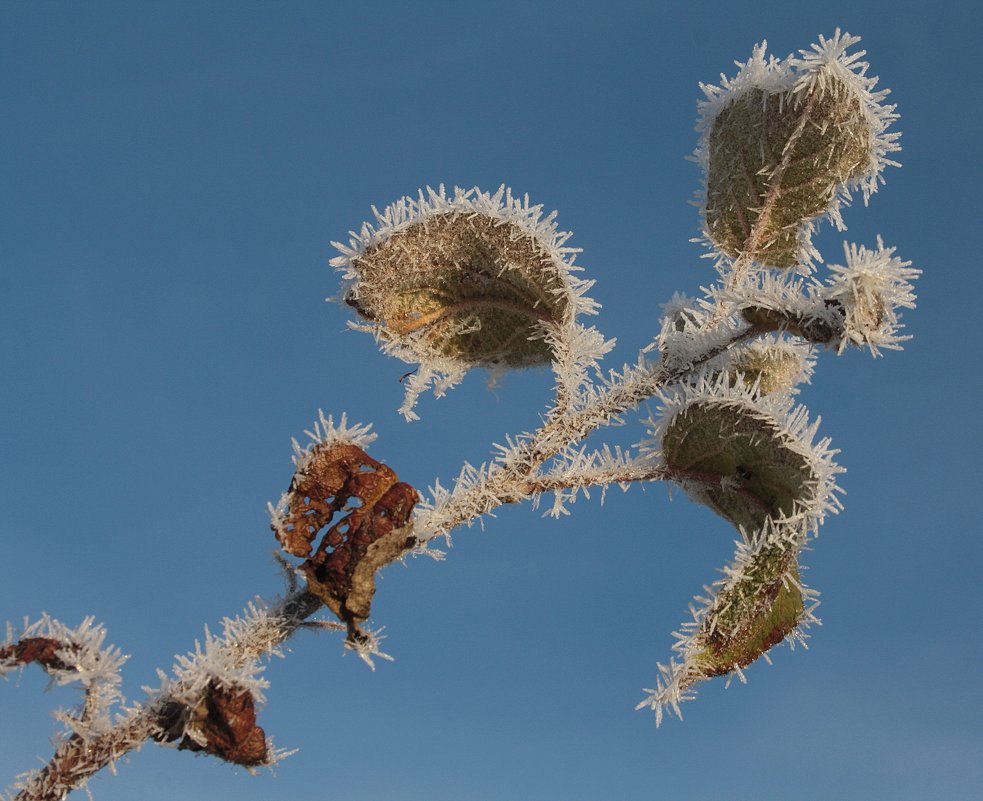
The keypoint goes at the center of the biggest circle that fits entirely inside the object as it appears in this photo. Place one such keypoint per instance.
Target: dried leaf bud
(47, 652)
(222, 723)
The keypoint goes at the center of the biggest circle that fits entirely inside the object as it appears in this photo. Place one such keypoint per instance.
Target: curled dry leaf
(464, 286)
(341, 570)
(778, 159)
(223, 724)
(43, 650)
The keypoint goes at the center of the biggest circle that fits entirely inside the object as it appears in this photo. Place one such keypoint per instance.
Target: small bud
(772, 366)
(869, 291)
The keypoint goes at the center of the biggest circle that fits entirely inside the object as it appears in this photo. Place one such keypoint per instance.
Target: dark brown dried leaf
(43, 650)
(225, 718)
(341, 570)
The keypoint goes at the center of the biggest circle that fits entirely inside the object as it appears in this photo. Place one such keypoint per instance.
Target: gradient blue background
(172, 176)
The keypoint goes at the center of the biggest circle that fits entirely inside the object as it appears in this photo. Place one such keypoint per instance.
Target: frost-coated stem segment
(78, 758)
(630, 474)
(602, 477)
(506, 481)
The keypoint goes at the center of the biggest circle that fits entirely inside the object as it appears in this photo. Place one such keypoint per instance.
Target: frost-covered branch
(451, 281)
(224, 667)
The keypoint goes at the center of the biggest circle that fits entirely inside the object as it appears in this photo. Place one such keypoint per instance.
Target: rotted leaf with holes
(341, 478)
(776, 160)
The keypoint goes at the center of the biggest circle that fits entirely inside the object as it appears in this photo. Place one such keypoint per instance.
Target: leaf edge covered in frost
(799, 76)
(436, 369)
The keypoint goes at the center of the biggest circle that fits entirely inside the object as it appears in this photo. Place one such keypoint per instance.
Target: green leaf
(776, 161)
(738, 461)
(751, 615)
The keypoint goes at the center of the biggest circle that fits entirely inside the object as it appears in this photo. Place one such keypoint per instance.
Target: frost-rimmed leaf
(748, 457)
(785, 142)
(468, 280)
(759, 603)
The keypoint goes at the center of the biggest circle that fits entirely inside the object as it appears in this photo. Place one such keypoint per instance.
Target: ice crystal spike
(473, 280)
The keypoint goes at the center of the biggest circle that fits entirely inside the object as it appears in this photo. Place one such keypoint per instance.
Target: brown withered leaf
(225, 718)
(342, 478)
(43, 650)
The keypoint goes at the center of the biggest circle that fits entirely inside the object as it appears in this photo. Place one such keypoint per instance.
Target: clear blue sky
(172, 176)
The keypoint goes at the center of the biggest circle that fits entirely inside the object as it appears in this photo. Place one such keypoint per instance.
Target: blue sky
(172, 177)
